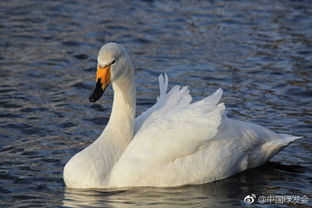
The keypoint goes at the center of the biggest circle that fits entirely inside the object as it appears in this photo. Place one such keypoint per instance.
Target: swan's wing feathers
(163, 86)
(213, 99)
(163, 83)
(179, 131)
(176, 97)
(173, 101)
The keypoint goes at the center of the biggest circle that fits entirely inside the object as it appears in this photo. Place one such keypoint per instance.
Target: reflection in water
(188, 196)
(229, 192)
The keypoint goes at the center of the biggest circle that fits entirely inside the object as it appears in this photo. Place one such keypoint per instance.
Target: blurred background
(259, 52)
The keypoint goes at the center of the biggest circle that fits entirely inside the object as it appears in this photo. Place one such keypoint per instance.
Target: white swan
(173, 143)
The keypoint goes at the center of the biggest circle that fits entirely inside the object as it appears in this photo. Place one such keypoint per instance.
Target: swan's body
(173, 143)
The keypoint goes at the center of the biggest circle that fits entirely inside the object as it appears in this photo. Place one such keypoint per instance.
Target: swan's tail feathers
(275, 146)
(288, 139)
(163, 83)
(269, 149)
(284, 141)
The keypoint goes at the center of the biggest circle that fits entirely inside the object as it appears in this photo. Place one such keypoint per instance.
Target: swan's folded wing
(166, 101)
(176, 129)
(175, 100)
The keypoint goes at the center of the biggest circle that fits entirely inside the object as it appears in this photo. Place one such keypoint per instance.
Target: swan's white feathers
(173, 143)
(163, 83)
(174, 99)
(178, 133)
(181, 128)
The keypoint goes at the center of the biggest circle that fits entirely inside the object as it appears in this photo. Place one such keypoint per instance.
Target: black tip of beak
(97, 92)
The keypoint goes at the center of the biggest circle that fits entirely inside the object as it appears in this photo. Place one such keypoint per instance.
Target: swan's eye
(106, 65)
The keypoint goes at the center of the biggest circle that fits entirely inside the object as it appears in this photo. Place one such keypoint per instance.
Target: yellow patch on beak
(103, 73)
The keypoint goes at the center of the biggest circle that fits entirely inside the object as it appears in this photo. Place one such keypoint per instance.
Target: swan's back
(249, 144)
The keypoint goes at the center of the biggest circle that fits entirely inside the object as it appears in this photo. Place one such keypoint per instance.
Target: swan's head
(113, 63)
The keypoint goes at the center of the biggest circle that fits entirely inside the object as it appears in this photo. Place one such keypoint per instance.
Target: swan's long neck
(120, 127)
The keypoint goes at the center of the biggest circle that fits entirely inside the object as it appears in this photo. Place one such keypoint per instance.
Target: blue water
(259, 52)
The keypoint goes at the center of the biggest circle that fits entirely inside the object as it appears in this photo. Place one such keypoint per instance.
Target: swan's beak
(102, 81)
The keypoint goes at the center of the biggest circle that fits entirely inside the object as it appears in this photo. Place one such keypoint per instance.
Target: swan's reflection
(189, 196)
(225, 193)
